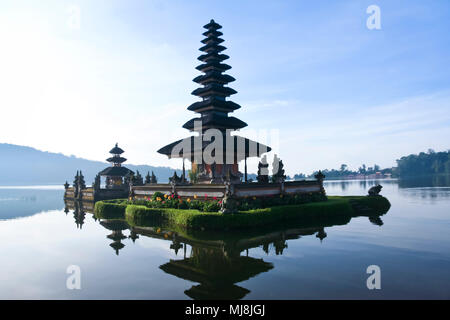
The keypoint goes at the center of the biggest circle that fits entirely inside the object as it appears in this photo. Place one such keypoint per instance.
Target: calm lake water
(40, 238)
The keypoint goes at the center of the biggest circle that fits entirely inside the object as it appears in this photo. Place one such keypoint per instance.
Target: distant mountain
(21, 165)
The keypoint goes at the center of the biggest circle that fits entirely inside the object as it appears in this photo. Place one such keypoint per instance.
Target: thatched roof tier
(214, 89)
(213, 66)
(214, 77)
(215, 120)
(212, 34)
(213, 104)
(213, 57)
(116, 150)
(116, 159)
(212, 25)
(189, 147)
(211, 39)
(116, 172)
(213, 48)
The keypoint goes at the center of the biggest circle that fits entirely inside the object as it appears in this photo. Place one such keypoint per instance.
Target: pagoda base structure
(210, 191)
(217, 173)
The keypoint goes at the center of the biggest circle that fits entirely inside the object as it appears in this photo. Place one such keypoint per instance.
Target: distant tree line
(344, 171)
(429, 163)
(424, 164)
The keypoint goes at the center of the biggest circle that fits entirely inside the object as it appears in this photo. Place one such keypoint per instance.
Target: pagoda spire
(214, 107)
(116, 160)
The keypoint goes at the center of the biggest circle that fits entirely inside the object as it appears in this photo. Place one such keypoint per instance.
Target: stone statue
(277, 170)
(374, 191)
(175, 179)
(76, 184)
(81, 182)
(229, 202)
(263, 171)
(96, 184)
(138, 180)
(320, 177)
(153, 178)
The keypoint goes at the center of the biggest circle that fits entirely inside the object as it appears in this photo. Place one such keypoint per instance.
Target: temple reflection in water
(216, 261)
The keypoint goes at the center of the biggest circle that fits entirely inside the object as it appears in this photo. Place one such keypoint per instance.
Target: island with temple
(216, 195)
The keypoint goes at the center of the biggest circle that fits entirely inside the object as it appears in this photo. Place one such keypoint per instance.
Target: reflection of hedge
(109, 210)
(369, 205)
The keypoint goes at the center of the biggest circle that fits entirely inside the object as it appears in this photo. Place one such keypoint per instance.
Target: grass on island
(335, 206)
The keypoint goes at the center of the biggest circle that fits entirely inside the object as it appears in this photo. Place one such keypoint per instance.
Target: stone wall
(217, 191)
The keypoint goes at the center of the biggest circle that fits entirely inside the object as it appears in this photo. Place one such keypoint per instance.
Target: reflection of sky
(412, 248)
(24, 201)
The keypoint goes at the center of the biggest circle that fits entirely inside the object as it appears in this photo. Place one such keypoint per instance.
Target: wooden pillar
(245, 168)
(183, 178)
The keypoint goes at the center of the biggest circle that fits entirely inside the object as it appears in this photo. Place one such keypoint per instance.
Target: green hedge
(195, 219)
(109, 210)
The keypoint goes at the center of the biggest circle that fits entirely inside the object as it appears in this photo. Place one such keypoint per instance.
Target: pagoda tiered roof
(116, 160)
(213, 66)
(214, 77)
(116, 172)
(212, 103)
(116, 150)
(214, 108)
(214, 120)
(214, 91)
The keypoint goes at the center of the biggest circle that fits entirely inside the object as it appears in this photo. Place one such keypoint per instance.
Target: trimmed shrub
(196, 219)
(108, 210)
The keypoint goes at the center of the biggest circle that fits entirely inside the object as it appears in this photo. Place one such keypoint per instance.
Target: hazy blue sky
(310, 75)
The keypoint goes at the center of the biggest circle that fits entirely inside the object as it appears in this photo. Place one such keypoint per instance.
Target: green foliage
(196, 219)
(159, 200)
(251, 203)
(110, 210)
(157, 194)
(424, 164)
(193, 176)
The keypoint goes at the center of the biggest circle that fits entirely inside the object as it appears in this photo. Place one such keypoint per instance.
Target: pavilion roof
(189, 147)
(116, 172)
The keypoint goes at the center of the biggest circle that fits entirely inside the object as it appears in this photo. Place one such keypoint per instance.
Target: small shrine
(116, 186)
(116, 174)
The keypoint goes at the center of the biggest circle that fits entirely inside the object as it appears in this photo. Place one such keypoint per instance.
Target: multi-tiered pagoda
(116, 173)
(214, 109)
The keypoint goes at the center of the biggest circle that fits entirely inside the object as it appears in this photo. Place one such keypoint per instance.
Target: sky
(313, 80)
